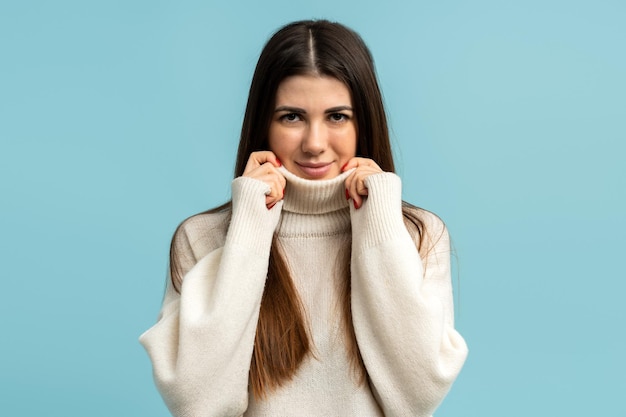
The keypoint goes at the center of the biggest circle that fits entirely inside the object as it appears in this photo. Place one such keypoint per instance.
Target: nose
(315, 139)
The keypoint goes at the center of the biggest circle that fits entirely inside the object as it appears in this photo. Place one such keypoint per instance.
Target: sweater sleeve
(402, 305)
(201, 345)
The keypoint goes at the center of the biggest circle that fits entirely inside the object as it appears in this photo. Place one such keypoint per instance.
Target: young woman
(316, 291)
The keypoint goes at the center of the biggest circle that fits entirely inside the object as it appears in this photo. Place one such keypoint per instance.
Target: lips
(315, 170)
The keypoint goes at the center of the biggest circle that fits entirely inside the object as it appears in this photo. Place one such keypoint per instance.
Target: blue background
(118, 119)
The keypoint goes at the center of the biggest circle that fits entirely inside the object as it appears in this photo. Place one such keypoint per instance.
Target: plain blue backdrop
(120, 118)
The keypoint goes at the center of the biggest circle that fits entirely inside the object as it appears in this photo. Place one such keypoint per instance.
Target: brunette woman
(316, 291)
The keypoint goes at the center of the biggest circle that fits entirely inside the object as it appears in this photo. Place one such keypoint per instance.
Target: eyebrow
(290, 109)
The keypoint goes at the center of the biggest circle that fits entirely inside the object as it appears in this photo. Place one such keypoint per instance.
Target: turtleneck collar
(314, 196)
(314, 207)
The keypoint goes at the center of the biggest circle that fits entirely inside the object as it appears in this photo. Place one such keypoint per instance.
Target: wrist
(379, 218)
(252, 223)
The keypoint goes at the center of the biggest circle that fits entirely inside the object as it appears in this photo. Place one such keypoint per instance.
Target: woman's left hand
(355, 183)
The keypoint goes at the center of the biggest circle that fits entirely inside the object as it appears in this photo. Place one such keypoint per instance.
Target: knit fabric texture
(402, 309)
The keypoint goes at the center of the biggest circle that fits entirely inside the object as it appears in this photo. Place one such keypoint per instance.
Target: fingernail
(347, 195)
(355, 205)
(278, 161)
(344, 166)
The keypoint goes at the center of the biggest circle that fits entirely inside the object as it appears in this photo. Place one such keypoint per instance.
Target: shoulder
(200, 234)
(427, 228)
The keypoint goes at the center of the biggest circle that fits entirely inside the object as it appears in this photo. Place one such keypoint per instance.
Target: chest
(319, 268)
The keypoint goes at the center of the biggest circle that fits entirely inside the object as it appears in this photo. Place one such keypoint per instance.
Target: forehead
(312, 90)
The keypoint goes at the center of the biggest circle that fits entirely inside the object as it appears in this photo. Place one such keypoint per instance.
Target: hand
(355, 183)
(262, 166)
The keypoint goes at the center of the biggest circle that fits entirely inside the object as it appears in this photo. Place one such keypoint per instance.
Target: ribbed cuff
(379, 219)
(252, 225)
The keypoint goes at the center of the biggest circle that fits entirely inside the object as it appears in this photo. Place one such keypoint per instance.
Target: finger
(265, 172)
(357, 200)
(277, 187)
(352, 163)
(276, 192)
(256, 159)
(355, 183)
(351, 190)
(265, 156)
(360, 187)
(356, 162)
(268, 173)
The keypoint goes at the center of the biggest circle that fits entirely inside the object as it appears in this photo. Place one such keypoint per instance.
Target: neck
(314, 207)
(314, 196)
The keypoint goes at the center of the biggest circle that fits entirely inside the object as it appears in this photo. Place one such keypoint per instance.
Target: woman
(316, 291)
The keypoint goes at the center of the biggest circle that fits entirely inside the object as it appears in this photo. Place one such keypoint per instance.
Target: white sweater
(402, 306)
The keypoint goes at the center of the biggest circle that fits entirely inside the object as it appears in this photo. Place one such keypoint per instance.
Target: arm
(402, 306)
(202, 344)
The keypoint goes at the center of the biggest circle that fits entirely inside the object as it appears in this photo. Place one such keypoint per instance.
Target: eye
(290, 117)
(338, 117)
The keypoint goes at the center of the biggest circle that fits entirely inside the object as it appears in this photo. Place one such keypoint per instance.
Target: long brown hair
(321, 48)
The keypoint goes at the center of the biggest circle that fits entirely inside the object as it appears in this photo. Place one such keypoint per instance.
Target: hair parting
(312, 49)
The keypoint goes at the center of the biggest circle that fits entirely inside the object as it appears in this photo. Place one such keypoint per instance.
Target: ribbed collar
(314, 196)
(314, 207)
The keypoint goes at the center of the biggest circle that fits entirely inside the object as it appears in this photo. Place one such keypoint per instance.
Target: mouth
(315, 170)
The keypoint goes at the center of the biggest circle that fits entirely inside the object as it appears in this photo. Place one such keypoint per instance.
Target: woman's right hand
(262, 166)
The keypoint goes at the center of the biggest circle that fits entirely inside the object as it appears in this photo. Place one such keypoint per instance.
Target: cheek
(349, 149)
(274, 138)
(280, 140)
(349, 143)
(344, 146)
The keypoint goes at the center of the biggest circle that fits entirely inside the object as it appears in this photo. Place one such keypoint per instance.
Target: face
(313, 130)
